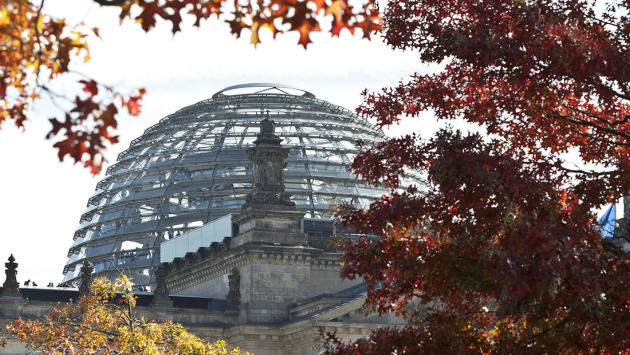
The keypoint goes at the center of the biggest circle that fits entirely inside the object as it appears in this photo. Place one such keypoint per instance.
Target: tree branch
(605, 121)
(602, 140)
(597, 173)
(110, 2)
(122, 311)
(39, 42)
(591, 124)
(95, 330)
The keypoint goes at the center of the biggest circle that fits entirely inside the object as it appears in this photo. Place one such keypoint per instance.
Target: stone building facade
(268, 289)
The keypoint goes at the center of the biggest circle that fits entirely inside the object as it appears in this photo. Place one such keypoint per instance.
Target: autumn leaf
(133, 102)
(90, 87)
(303, 23)
(57, 126)
(147, 16)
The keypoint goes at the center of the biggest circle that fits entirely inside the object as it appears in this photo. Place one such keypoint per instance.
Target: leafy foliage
(37, 50)
(277, 16)
(103, 323)
(500, 252)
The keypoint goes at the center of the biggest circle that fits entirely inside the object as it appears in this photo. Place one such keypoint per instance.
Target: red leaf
(147, 16)
(90, 86)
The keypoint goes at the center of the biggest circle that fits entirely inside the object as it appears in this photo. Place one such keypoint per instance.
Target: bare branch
(39, 42)
(110, 2)
(598, 173)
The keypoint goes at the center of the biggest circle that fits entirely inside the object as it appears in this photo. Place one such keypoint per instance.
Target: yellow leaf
(4, 19)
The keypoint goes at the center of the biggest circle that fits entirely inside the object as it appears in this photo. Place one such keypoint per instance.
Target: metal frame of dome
(191, 168)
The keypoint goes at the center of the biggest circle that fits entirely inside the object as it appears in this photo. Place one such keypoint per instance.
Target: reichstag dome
(191, 168)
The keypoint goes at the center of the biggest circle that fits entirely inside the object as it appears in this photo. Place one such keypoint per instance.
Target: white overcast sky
(42, 199)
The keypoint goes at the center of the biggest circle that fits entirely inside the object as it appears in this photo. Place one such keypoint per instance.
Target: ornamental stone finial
(267, 125)
(161, 291)
(86, 278)
(267, 136)
(11, 286)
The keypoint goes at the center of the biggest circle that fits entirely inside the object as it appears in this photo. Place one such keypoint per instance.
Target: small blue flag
(607, 222)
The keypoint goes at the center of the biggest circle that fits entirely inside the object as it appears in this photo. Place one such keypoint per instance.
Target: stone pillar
(161, 291)
(279, 277)
(269, 215)
(234, 296)
(86, 278)
(11, 286)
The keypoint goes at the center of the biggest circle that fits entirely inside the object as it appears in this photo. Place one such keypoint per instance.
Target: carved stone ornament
(267, 125)
(268, 166)
(11, 287)
(86, 278)
(268, 161)
(234, 295)
(267, 132)
(161, 291)
(262, 198)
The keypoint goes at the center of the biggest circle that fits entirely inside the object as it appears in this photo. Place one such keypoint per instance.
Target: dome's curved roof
(191, 167)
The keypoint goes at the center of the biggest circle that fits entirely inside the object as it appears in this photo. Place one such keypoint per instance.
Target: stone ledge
(237, 257)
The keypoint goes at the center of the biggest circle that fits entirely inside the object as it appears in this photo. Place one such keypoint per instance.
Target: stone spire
(86, 278)
(161, 291)
(11, 286)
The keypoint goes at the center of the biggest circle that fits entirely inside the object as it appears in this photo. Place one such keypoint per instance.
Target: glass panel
(370, 192)
(232, 170)
(296, 184)
(322, 186)
(332, 170)
(194, 157)
(233, 186)
(296, 169)
(99, 250)
(302, 200)
(248, 141)
(231, 155)
(232, 201)
(178, 188)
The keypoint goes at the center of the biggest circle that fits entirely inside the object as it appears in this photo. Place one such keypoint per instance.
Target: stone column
(11, 286)
(86, 278)
(278, 277)
(161, 291)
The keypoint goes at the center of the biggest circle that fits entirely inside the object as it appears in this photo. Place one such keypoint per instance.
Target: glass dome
(192, 168)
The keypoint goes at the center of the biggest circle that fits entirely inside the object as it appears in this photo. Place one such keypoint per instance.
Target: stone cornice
(197, 269)
(204, 271)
